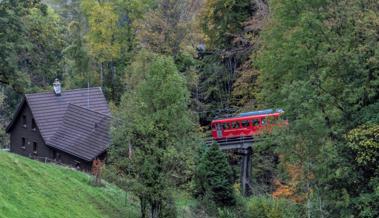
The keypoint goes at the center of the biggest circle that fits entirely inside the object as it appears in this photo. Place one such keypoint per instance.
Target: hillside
(32, 189)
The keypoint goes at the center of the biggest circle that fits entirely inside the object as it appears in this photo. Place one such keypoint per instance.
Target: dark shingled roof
(83, 133)
(67, 122)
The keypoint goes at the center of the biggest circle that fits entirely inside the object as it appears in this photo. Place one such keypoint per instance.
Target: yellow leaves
(167, 28)
(364, 140)
(102, 35)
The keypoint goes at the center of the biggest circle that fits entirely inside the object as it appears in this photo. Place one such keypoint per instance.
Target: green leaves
(222, 19)
(22, 30)
(153, 120)
(315, 64)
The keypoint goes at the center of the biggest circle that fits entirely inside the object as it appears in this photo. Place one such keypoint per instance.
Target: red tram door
(219, 130)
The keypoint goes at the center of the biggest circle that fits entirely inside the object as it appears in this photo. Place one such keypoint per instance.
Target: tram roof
(240, 118)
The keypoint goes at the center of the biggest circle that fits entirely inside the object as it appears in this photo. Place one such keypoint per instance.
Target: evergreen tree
(213, 178)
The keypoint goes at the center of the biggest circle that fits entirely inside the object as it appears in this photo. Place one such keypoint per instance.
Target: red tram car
(246, 124)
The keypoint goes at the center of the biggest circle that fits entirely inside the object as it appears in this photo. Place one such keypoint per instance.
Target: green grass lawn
(32, 189)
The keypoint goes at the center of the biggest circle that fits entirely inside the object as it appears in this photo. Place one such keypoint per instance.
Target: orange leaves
(288, 191)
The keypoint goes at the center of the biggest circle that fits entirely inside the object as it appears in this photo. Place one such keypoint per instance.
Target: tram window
(245, 123)
(218, 126)
(255, 122)
(226, 126)
(235, 125)
(213, 126)
(264, 121)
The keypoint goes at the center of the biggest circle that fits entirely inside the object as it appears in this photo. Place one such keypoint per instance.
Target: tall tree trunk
(143, 205)
(155, 209)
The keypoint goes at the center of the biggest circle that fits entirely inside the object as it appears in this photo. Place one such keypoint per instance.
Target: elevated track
(242, 146)
(243, 142)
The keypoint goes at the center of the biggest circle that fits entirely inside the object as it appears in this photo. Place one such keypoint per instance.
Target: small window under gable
(34, 147)
(24, 121)
(23, 143)
(34, 126)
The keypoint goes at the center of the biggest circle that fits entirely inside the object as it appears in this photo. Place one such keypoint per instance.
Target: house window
(57, 156)
(54, 154)
(34, 147)
(24, 121)
(34, 126)
(23, 143)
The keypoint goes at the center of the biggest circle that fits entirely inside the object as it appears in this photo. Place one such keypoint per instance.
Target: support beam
(245, 175)
(241, 146)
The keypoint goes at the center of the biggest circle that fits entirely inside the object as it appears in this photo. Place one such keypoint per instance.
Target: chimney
(57, 87)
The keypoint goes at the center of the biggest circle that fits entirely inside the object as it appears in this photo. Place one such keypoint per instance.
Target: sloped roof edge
(15, 115)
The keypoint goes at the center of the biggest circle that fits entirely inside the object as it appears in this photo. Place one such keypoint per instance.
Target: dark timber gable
(72, 128)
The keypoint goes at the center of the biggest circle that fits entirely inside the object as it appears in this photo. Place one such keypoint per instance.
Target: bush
(268, 207)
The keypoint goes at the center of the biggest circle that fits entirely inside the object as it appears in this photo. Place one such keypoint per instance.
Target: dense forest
(169, 67)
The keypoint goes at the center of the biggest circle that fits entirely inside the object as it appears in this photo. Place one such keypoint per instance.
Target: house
(70, 127)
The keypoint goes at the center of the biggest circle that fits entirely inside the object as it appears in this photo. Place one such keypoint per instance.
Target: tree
(317, 62)
(166, 27)
(223, 20)
(3, 135)
(31, 44)
(14, 42)
(154, 128)
(213, 178)
(102, 39)
(110, 40)
(227, 82)
(43, 60)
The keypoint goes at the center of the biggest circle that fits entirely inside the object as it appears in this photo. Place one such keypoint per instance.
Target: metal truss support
(241, 146)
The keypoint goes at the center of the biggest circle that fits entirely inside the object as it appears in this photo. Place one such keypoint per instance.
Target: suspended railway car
(246, 124)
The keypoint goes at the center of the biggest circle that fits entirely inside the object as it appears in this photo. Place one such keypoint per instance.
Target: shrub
(268, 207)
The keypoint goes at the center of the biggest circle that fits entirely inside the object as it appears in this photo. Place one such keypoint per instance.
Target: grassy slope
(32, 189)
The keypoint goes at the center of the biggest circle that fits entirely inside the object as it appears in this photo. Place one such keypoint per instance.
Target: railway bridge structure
(242, 146)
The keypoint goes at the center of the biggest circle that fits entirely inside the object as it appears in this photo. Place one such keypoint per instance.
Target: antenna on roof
(88, 89)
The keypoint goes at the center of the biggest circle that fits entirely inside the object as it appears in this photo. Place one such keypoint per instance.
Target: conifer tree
(213, 177)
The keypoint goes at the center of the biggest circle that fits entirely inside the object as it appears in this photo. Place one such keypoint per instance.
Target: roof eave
(71, 153)
(78, 156)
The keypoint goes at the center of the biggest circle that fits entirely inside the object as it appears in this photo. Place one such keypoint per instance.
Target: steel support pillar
(245, 175)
